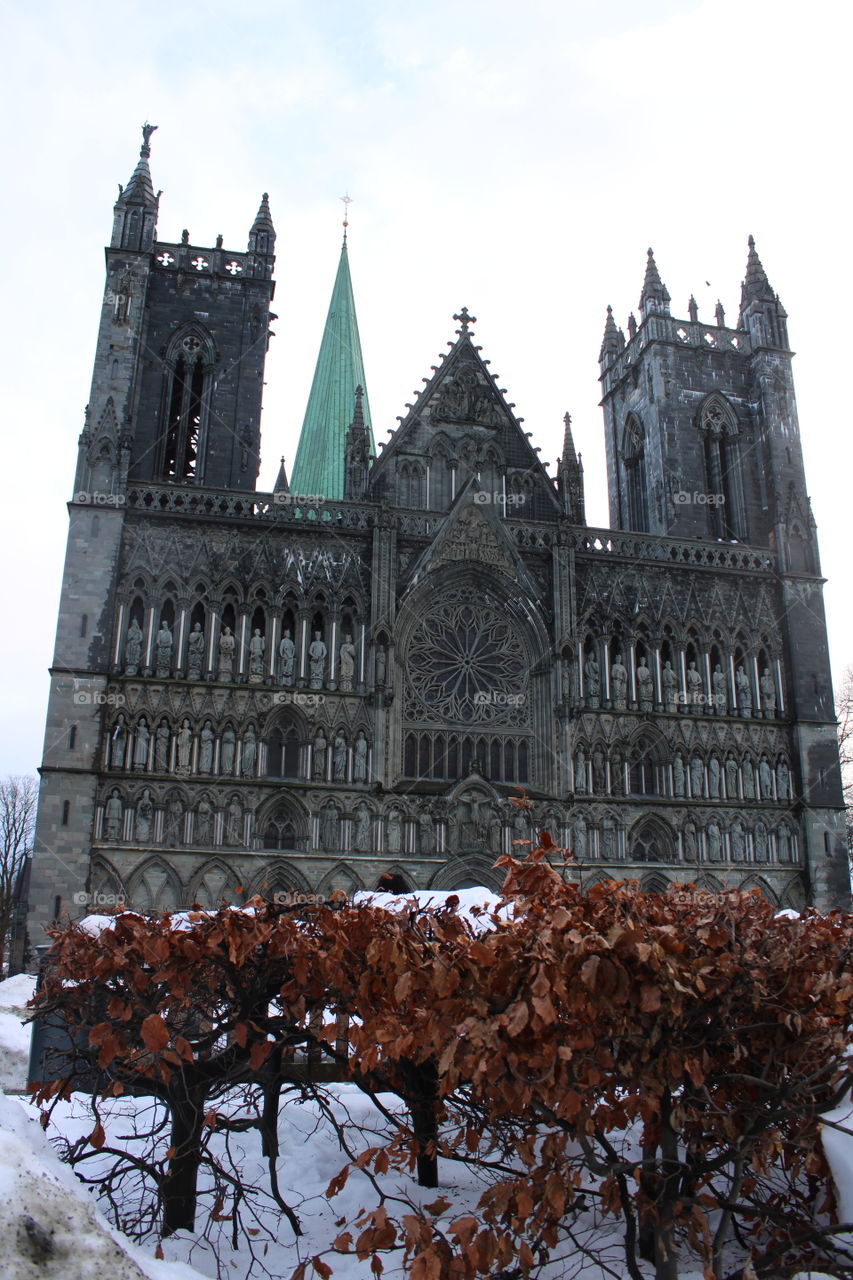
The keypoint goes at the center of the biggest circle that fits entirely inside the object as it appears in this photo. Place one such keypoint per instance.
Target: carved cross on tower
(465, 320)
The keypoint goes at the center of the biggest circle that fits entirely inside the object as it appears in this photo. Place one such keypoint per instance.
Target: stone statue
(161, 747)
(592, 681)
(394, 831)
(748, 774)
(249, 753)
(521, 829)
(185, 745)
(339, 757)
(362, 829)
(319, 763)
(737, 841)
(381, 664)
(494, 830)
(783, 781)
(697, 778)
(765, 777)
(695, 690)
(599, 774)
(690, 845)
(731, 778)
(426, 832)
(195, 653)
(118, 744)
(617, 773)
(227, 644)
(287, 656)
(359, 768)
(744, 692)
(140, 750)
(608, 834)
(173, 833)
(346, 657)
(669, 680)
(165, 642)
(329, 824)
(784, 837)
(645, 687)
(205, 759)
(714, 778)
(204, 822)
(114, 816)
(721, 695)
(619, 683)
(257, 648)
(580, 771)
(760, 841)
(229, 745)
(317, 652)
(234, 823)
(768, 694)
(678, 774)
(579, 849)
(715, 843)
(144, 817)
(133, 648)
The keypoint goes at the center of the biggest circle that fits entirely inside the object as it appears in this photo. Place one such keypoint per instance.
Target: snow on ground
(14, 1035)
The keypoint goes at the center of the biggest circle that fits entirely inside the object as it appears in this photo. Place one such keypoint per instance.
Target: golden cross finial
(346, 201)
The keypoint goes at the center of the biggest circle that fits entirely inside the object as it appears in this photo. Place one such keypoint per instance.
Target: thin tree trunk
(666, 1257)
(421, 1097)
(179, 1191)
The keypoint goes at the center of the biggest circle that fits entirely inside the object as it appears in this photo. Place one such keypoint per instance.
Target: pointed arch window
(720, 432)
(186, 405)
(634, 460)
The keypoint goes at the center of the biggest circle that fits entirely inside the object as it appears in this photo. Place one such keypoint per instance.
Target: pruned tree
(18, 797)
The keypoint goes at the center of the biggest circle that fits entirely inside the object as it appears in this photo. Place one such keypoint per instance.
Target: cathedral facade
(299, 691)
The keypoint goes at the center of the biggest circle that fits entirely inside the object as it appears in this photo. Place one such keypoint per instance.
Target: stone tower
(300, 691)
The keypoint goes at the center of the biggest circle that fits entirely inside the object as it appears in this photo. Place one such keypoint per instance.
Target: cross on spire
(465, 320)
(346, 201)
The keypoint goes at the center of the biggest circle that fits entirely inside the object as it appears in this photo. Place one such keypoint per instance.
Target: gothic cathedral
(304, 690)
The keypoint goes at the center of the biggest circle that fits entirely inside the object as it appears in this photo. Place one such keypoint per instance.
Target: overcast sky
(515, 158)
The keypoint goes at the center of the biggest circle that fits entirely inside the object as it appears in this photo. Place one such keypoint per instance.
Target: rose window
(467, 664)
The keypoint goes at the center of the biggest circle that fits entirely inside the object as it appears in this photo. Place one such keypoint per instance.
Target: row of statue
(147, 749)
(285, 666)
(694, 699)
(740, 843)
(714, 780)
(142, 822)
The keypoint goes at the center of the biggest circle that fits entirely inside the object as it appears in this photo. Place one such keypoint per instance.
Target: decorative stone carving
(715, 844)
(161, 747)
(669, 680)
(359, 769)
(173, 827)
(426, 832)
(768, 694)
(580, 771)
(381, 665)
(362, 828)
(394, 831)
(471, 539)
(617, 772)
(580, 833)
(695, 690)
(330, 828)
(591, 681)
(140, 748)
(118, 744)
(257, 648)
(249, 753)
(317, 653)
(748, 775)
(229, 745)
(287, 656)
(185, 746)
(744, 692)
(783, 781)
(738, 843)
(765, 778)
(690, 845)
(163, 651)
(144, 817)
(204, 822)
(227, 645)
(339, 757)
(599, 775)
(697, 778)
(714, 778)
(619, 683)
(133, 648)
(731, 778)
(195, 653)
(645, 687)
(721, 694)
(234, 823)
(760, 842)
(319, 762)
(346, 659)
(205, 758)
(678, 774)
(114, 816)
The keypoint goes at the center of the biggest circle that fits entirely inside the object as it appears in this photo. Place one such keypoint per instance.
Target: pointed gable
(462, 417)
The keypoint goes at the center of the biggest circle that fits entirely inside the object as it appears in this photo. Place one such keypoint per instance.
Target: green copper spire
(319, 465)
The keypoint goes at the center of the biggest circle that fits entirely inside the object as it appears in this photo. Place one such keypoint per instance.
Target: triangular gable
(473, 533)
(462, 399)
